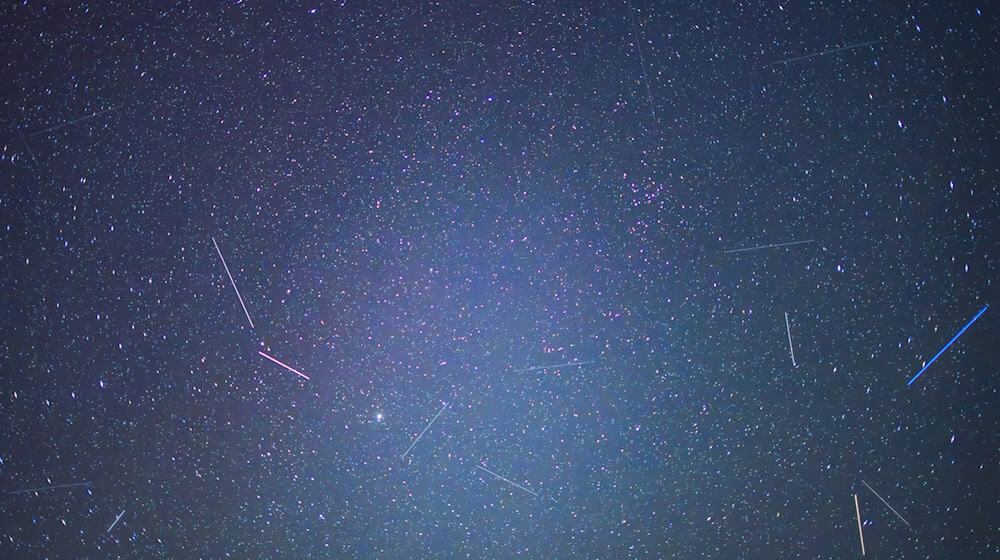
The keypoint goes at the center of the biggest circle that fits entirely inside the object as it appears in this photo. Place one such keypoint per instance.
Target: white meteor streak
(857, 509)
(553, 367)
(886, 504)
(286, 366)
(74, 121)
(828, 51)
(775, 245)
(642, 61)
(790, 349)
(115, 523)
(506, 480)
(425, 431)
(233, 282)
(21, 134)
(49, 487)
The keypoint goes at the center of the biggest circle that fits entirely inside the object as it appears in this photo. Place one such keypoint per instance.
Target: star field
(496, 280)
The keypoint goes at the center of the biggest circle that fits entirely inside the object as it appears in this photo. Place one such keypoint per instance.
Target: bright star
(378, 417)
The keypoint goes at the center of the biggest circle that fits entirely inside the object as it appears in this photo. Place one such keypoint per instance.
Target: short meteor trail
(886, 503)
(286, 366)
(950, 342)
(857, 509)
(506, 480)
(21, 134)
(50, 487)
(115, 523)
(831, 51)
(555, 366)
(233, 282)
(790, 349)
(74, 121)
(769, 246)
(425, 431)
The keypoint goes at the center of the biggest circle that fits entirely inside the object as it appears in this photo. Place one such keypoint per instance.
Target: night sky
(421, 204)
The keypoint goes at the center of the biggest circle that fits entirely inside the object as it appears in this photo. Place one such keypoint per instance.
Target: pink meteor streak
(286, 366)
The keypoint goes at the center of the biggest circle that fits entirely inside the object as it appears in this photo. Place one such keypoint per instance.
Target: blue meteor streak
(967, 325)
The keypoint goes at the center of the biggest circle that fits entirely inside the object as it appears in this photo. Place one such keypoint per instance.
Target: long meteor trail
(555, 366)
(50, 487)
(115, 523)
(950, 342)
(233, 282)
(506, 480)
(775, 245)
(790, 349)
(284, 365)
(886, 503)
(74, 121)
(424, 432)
(642, 61)
(831, 51)
(857, 510)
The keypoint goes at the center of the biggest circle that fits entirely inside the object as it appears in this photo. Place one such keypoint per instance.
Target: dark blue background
(418, 199)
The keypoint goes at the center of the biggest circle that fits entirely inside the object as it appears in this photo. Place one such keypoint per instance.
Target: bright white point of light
(378, 417)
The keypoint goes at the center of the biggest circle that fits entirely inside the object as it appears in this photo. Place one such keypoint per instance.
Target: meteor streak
(830, 51)
(115, 523)
(773, 246)
(950, 342)
(857, 510)
(286, 366)
(553, 367)
(506, 480)
(425, 431)
(74, 121)
(233, 282)
(790, 349)
(886, 503)
(50, 487)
